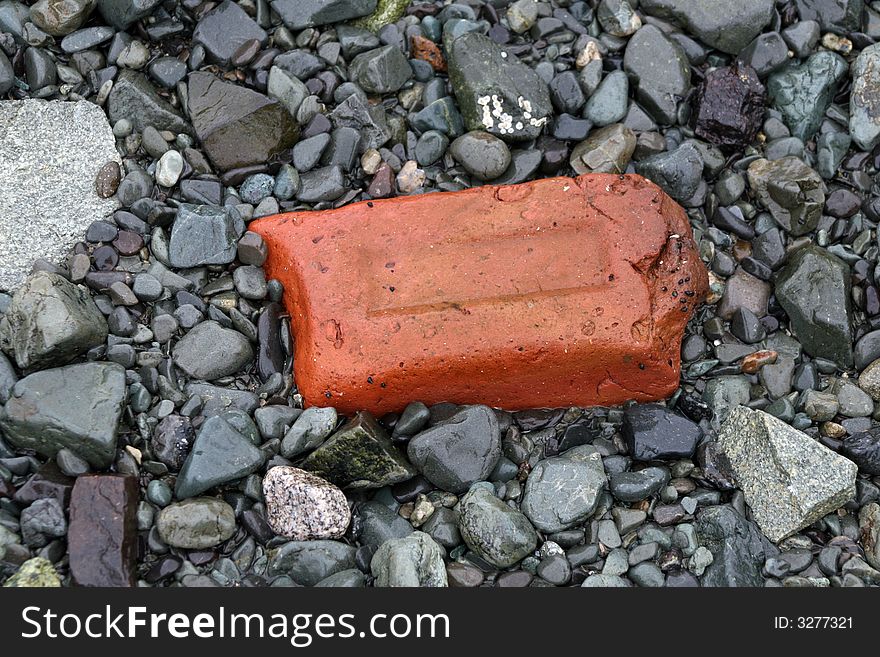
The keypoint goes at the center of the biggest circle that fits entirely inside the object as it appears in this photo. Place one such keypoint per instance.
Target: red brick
(102, 537)
(556, 292)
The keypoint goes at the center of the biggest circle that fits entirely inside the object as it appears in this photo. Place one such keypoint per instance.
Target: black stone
(270, 355)
(737, 545)
(863, 449)
(729, 106)
(652, 432)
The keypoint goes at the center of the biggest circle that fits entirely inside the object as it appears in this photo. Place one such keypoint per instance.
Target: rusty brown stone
(425, 49)
(102, 538)
(558, 292)
(753, 362)
(107, 180)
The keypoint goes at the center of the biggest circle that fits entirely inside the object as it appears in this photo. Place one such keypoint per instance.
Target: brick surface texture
(546, 294)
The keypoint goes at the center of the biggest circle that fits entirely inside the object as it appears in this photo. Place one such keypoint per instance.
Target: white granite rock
(303, 507)
(50, 154)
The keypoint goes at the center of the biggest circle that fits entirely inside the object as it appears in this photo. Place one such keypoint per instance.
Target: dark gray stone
(299, 14)
(638, 485)
(727, 27)
(814, 289)
(496, 92)
(122, 13)
(459, 451)
(225, 29)
(77, 407)
(652, 432)
(219, 455)
(659, 71)
(738, 548)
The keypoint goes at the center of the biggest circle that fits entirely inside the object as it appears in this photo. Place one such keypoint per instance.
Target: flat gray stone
(122, 13)
(49, 322)
(789, 480)
(309, 562)
(50, 154)
(219, 454)
(204, 235)
(563, 491)
(210, 351)
(727, 26)
(77, 407)
(299, 14)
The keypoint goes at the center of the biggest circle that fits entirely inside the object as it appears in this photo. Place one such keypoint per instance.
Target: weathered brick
(102, 538)
(551, 293)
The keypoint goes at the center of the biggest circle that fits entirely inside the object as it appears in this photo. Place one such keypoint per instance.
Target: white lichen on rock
(505, 120)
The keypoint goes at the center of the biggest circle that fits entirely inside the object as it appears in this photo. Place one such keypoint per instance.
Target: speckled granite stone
(789, 480)
(303, 507)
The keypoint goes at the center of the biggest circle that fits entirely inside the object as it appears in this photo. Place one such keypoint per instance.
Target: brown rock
(425, 49)
(557, 292)
(107, 180)
(102, 539)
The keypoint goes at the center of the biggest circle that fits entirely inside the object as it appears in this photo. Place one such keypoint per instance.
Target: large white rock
(789, 480)
(50, 154)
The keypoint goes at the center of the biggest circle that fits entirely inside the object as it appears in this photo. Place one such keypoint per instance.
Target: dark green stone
(814, 289)
(803, 93)
(360, 456)
(792, 191)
